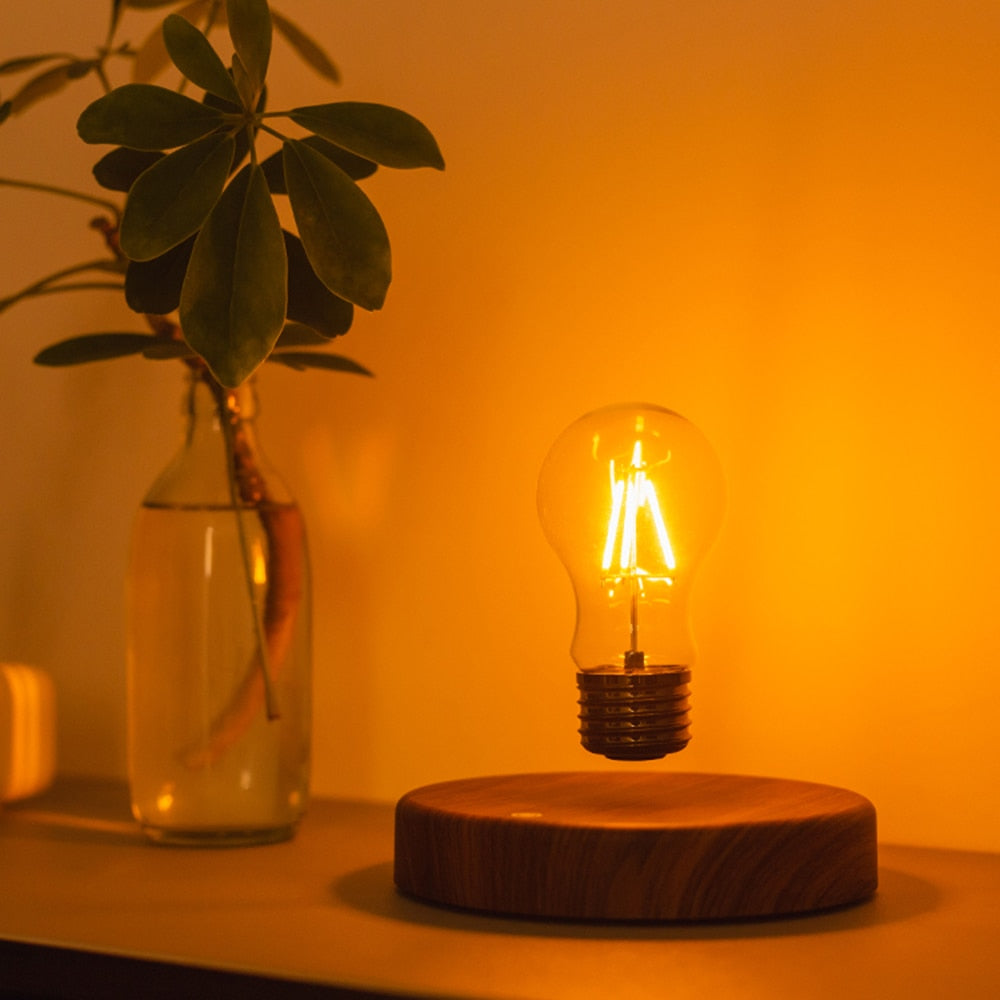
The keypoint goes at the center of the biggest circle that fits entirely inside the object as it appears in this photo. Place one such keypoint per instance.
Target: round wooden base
(636, 846)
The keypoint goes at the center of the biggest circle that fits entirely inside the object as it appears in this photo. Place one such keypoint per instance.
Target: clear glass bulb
(631, 497)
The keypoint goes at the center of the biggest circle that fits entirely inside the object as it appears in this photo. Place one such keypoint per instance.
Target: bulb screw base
(635, 715)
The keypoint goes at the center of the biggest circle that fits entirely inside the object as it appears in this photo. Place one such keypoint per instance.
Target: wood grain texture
(636, 846)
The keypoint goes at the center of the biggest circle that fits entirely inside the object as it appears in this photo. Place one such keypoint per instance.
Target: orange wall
(777, 218)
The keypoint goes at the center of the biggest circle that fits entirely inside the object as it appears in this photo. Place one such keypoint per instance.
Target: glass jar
(219, 637)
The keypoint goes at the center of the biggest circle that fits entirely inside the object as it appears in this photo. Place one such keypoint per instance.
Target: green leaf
(340, 228)
(22, 63)
(308, 49)
(150, 4)
(194, 56)
(49, 82)
(94, 347)
(377, 132)
(242, 80)
(227, 107)
(250, 30)
(171, 200)
(166, 350)
(356, 167)
(119, 169)
(299, 335)
(309, 300)
(242, 138)
(301, 360)
(154, 286)
(234, 296)
(144, 116)
(151, 57)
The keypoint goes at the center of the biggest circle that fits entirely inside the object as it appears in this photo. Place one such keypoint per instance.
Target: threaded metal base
(634, 715)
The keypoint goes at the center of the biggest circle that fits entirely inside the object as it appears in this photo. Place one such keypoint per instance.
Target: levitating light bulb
(630, 497)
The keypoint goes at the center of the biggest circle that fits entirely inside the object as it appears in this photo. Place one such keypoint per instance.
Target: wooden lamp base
(636, 846)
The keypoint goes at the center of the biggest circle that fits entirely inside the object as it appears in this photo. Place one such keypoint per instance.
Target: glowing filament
(630, 495)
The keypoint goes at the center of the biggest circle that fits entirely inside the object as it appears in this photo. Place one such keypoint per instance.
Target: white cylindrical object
(27, 731)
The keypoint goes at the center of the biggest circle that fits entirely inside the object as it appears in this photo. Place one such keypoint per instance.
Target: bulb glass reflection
(630, 497)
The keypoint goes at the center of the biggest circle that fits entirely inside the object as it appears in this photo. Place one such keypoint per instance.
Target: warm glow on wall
(778, 217)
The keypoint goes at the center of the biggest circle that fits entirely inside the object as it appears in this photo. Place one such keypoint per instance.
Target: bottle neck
(220, 426)
(219, 463)
(206, 403)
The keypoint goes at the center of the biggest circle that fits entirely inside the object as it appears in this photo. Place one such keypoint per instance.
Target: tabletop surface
(320, 915)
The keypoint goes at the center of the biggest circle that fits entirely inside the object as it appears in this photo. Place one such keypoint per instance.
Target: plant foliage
(199, 231)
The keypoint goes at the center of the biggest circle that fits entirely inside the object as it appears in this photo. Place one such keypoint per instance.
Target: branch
(47, 286)
(90, 199)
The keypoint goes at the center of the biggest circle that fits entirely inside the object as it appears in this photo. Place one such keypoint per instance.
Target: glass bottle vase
(219, 643)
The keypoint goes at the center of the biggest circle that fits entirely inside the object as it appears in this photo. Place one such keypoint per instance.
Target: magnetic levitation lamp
(631, 497)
